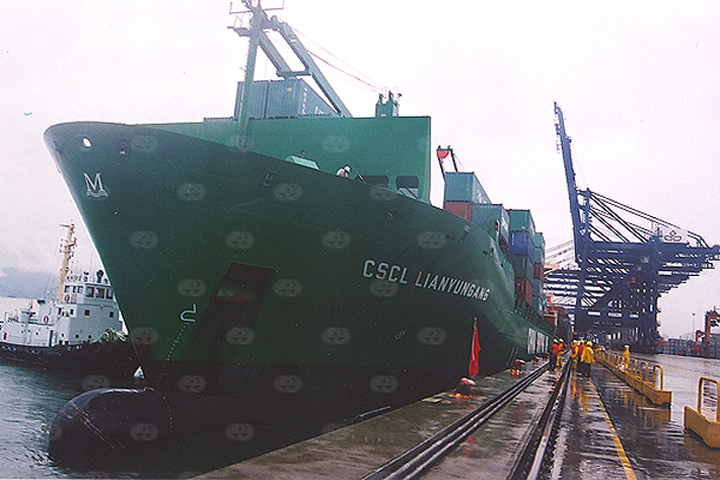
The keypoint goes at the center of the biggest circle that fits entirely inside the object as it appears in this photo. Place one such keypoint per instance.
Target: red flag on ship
(474, 367)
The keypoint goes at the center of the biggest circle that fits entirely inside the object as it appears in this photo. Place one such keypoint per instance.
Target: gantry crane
(624, 260)
(712, 319)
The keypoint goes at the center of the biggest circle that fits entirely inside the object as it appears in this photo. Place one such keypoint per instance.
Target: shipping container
(550, 318)
(538, 271)
(294, 98)
(537, 287)
(539, 305)
(522, 265)
(523, 289)
(539, 241)
(461, 209)
(494, 219)
(291, 98)
(521, 244)
(258, 99)
(464, 187)
(521, 220)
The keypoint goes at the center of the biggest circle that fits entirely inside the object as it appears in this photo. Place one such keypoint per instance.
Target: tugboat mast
(67, 248)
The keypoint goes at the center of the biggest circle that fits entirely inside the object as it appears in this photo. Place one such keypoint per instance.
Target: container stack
(513, 230)
(466, 198)
(678, 346)
(462, 191)
(539, 298)
(554, 313)
(522, 253)
(714, 351)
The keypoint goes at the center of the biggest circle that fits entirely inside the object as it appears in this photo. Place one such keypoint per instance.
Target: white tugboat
(79, 332)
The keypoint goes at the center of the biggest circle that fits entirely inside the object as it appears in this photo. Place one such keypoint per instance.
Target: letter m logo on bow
(94, 187)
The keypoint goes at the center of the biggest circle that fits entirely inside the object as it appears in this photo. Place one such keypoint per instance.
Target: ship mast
(67, 248)
(256, 20)
(259, 22)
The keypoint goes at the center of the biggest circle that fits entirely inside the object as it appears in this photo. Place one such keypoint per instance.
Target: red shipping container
(461, 209)
(523, 289)
(538, 271)
(551, 318)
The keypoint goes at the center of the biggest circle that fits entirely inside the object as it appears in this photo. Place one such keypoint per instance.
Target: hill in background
(26, 284)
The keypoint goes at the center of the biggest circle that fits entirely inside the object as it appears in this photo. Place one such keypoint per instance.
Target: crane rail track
(416, 461)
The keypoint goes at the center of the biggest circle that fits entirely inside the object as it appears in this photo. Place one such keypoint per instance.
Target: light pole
(693, 330)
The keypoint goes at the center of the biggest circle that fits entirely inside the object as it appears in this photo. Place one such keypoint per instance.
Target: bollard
(696, 422)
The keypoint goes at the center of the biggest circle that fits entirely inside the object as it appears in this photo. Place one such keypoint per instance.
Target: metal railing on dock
(697, 422)
(639, 376)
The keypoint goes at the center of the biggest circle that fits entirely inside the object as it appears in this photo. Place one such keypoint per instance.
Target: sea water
(29, 400)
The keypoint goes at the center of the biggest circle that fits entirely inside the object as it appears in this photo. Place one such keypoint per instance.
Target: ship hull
(112, 360)
(294, 291)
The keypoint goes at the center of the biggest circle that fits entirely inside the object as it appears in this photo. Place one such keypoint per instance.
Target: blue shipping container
(521, 244)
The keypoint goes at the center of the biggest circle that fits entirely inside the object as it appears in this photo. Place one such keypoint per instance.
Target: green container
(485, 215)
(464, 187)
(539, 304)
(539, 240)
(523, 267)
(521, 220)
(537, 287)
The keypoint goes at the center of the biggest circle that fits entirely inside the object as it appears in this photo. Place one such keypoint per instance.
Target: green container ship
(249, 267)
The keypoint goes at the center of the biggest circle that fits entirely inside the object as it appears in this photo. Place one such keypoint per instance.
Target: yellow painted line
(629, 473)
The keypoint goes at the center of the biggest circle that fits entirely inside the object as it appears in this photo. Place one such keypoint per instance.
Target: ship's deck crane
(252, 22)
(624, 260)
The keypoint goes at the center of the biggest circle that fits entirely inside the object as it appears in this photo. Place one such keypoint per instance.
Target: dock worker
(344, 172)
(553, 354)
(581, 346)
(561, 348)
(574, 354)
(588, 358)
(626, 357)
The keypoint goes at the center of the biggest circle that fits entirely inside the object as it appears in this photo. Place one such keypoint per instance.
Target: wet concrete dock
(607, 431)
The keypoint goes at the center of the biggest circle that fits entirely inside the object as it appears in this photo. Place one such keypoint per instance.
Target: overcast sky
(638, 83)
